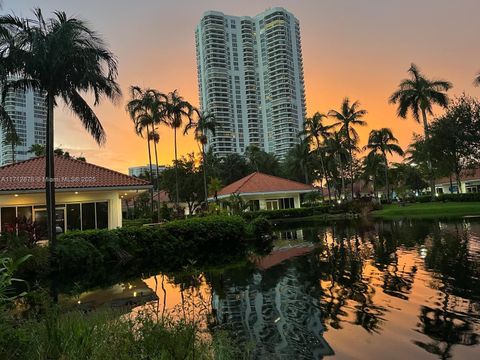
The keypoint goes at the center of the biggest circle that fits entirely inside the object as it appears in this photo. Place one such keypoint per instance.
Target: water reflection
(402, 288)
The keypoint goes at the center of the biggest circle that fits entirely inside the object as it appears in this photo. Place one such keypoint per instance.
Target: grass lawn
(429, 210)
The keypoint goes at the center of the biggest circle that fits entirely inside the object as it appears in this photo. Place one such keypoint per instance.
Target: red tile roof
(262, 183)
(69, 174)
(466, 175)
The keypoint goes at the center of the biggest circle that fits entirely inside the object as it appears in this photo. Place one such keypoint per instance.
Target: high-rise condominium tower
(250, 76)
(28, 111)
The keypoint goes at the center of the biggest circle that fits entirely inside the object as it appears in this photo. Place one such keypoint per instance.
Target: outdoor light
(76, 192)
(134, 294)
(16, 195)
(339, 201)
(125, 194)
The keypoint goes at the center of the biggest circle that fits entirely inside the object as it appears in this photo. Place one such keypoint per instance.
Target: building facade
(28, 111)
(250, 74)
(144, 170)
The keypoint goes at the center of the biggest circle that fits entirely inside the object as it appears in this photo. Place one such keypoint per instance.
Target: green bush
(447, 197)
(135, 222)
(204, 241)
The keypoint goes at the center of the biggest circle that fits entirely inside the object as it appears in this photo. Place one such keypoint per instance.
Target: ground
(429, 210)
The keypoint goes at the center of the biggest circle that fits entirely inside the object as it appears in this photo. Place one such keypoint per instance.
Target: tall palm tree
(177, 111)
(63, 58)
(299, 160)
(383, 142)
(154, 137)
(204, 124)
(349, 116)
(371, 166)
(419, 94)
(318, 132)
(147, 109)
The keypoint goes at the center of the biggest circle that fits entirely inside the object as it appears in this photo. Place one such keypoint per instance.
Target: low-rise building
(469, 182)
(87, 196)
(144, 170)
(266, 192)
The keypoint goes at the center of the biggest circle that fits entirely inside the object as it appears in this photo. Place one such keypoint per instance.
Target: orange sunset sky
(355, 48)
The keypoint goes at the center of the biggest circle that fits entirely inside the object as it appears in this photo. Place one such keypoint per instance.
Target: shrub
(287, 213)
(261, 230)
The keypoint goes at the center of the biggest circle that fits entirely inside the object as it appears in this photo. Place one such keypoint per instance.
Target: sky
(355, 48)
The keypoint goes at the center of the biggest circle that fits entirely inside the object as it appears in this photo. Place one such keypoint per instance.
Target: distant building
(139, 171)
(28, 111)
(266, 192)
(250, 74)
(469, 181)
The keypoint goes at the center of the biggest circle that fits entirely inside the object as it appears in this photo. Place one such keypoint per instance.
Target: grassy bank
(429, 210)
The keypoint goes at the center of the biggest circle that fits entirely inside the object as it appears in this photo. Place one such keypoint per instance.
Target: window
(287, 203)
(88, 216)
(24, 213)
(254, 205)
(272, 204)
(102, 215)
(8, 218)
(74, 221)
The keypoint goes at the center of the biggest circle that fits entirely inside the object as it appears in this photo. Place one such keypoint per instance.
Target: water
(371, 290)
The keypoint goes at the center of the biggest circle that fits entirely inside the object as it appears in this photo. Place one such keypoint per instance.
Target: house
(87, 196)
(266, 192)
(469, 181)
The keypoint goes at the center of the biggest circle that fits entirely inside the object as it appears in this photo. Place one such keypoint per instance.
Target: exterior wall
(250, 76)
(113, 198)
(466, 187)
(262, 198)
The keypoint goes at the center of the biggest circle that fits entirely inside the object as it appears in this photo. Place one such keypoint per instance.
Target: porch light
(16, 195)
(76, 192)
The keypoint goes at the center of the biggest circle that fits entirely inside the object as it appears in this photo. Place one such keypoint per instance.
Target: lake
(370, 289)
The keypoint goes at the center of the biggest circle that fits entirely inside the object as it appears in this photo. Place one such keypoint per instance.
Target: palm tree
(147, 109)
(349, 116)
(154, 136)
(63, 58)
(382, 142)
(204, 124)
(419, 94)
(37, 149)
(371, 166)
(317, 131)
(336, 155)
(298, 161)
(12, 139)
(476, 82)
(177, 110)
(214, 187)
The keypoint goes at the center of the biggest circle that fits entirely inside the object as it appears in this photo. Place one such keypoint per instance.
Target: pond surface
(369, 290)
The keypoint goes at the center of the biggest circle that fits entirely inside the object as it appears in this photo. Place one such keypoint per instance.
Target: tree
(63, 58)
(476, 82)
(37, 149)
(372, 165)
(297, 164)
(262, 161)
(177, 110)
(214, 187)
(13, 139)
(418, 95)
(233, 167)
(204, 124)
(349, 116)
(147, 109)
(383, 142)
(337, 155)
(455, 137)
(317, 132)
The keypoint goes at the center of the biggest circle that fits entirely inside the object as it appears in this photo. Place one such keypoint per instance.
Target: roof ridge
(247, 179)
(282, 178)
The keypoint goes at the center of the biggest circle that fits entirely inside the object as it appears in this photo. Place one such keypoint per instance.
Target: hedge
(204, 241)
(467, 197)
(287, 213)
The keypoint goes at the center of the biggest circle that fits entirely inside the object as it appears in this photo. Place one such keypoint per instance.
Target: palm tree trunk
(323, 168)
(50, 177)
(176, 168)
(429, 155)
(351, 168)
(158, 175)
(342, 175)
(386, 177)
(151, 172)
(205, 175)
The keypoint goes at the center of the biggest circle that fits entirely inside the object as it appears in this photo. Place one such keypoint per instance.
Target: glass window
(88, 216)
(102, 215)
(73, 217)
(254, 205)
(24, 213)
(8, 219)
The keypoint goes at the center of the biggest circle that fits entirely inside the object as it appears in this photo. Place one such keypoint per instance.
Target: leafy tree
(63, 58)
(37, 149)
(418, 95)
(214, 187)
(349, 116)
(455, 136)
(337, 155)
(383, 142)
(13, 139)
(190, 182)
(262, 161)
(233, 167)
(372, 166)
